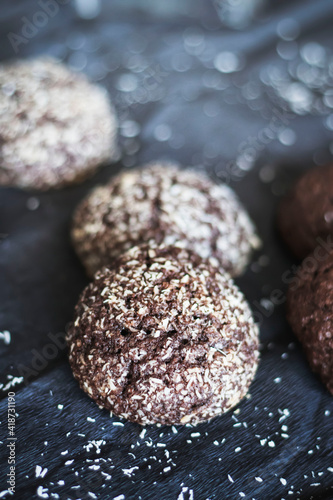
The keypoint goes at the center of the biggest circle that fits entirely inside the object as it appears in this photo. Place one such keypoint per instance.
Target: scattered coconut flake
(5, 336)
(94, 444)
(129, 472)
(40, 472)
(42, 492)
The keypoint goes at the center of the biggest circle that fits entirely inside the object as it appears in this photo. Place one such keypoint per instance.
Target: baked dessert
(310, 314)
(56, 128)
(164, 204)
(305, 216)
(163, 337)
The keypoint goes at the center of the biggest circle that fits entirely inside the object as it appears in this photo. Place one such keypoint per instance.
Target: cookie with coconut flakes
(309, 313)
(165, 204)
(305, 216)
(56, 127)
(163, 337)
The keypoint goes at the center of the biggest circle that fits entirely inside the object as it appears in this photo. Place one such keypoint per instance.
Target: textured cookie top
(167, 205)
(163, 337)
(310, 314)
(55, 126)
(306, 214)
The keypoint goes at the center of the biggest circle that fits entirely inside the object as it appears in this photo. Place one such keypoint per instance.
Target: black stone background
(41, 277)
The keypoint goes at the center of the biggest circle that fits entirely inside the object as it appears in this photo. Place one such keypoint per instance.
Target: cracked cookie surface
(167, 205)
(163, 337)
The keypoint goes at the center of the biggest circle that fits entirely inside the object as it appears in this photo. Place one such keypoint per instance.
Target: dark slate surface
(175, 100)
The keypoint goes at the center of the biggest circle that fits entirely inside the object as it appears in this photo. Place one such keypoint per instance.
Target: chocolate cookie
(167, 205)
(306, 214)
(163, 337)
(310, 314)
(56, 128)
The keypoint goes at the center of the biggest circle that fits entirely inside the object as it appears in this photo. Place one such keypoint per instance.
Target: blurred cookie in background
(310, 313)
(305, 215)
(56, 127)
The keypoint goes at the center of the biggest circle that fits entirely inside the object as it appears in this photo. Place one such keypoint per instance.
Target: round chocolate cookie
(56, 128)
(166, 205)
(310, 314)
(306, 214)
(163, 337)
